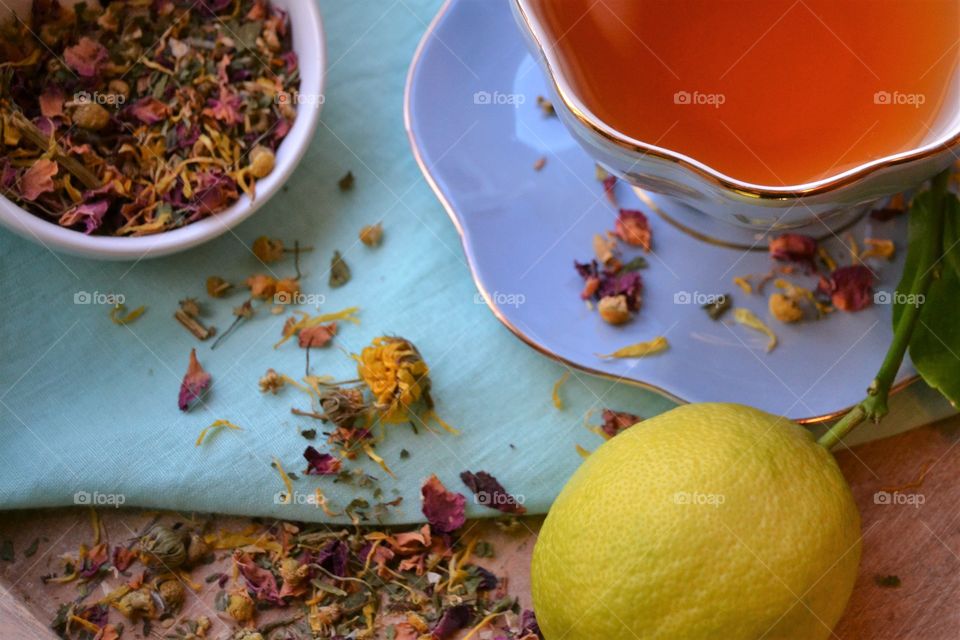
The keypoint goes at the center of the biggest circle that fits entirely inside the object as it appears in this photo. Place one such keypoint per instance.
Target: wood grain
(905, 487)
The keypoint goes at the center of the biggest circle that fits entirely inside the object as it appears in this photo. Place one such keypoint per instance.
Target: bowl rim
(56, 238)
(944, 143)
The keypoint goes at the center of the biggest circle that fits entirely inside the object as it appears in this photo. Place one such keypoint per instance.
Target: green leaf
(935, 345)
(951, 242)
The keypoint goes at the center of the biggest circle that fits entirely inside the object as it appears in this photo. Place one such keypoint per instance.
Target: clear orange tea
(773, 92)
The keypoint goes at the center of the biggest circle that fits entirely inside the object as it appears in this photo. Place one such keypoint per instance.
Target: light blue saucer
(477, 131)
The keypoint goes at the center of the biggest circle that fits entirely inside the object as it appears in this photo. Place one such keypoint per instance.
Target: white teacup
(829, 200)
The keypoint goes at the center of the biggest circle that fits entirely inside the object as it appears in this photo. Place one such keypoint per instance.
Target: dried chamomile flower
(241, 606)
(785, 309)
(613, 309)
(372, 234)
(162, 548)
(271, 382)
(171, 593)
(268, 249)
(262, 161)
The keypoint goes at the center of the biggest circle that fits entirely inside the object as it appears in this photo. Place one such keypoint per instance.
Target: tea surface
(772, 92)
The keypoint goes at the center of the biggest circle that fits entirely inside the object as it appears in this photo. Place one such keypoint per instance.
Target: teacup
(828, 200)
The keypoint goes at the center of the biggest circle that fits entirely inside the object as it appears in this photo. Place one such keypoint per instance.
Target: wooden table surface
(905, 486)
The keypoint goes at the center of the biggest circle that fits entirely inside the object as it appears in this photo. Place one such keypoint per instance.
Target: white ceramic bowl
(831, 200)
(310, 45)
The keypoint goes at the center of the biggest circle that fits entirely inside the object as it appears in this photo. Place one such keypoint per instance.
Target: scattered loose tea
(214, 427)
(546, 106)
(785, 309)
(217, 287)
(339, 271)
(749, 319)
(849, 288)
(878, 248)
(633, 228)
(490, 493)
(887, 582)
(195, 382)
(372, 234)
(641, 349)
(719, 306)
(118, 314)
(616, 422)
(160, 113)
(557, 400)
(794, 247)
(347, 182)
(444, 510)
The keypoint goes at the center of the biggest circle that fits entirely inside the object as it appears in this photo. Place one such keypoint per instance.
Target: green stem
(874, 406)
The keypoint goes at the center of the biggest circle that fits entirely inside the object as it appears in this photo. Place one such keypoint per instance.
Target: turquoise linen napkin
(88, 408)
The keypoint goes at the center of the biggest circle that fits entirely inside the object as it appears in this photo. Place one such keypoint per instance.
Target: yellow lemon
(711, 521)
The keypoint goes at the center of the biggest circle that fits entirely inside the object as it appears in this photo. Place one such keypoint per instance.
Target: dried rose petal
(321, 464)
(445, 510)
(260, 582)
(490, 493)
(528, 625)
(317, 336)
(38, 179)
(793, 247)
(609, 185)
(615, 422)
(195, 382)
(85, 57)
(149, 110)
(453, 619)
(90, 214)
(51, 102)
(629, 285)
(850, 288)
(633, 228)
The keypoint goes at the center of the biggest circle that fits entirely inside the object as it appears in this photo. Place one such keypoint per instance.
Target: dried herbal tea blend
(144, 116)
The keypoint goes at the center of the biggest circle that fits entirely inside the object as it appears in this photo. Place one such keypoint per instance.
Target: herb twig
(874, 406)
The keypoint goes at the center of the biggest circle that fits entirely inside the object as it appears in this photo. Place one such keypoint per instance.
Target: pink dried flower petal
(85, 57)
(90, 214)
(321, 464)
(850, 288)
(149, 110)
(38, 179)
(445, 510)
(195, 382)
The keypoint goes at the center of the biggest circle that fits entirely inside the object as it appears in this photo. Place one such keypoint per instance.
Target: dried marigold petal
(749, 319)
(641, 349)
